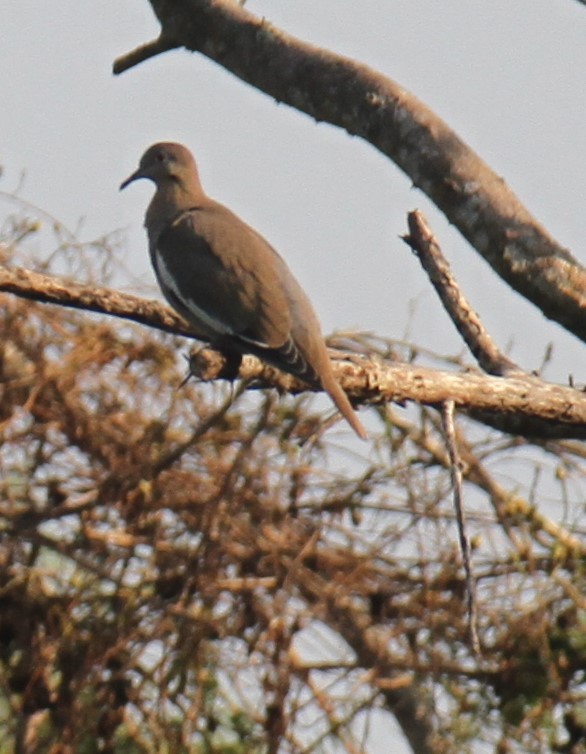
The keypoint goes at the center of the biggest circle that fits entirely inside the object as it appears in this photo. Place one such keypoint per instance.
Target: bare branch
(456, 474)
(534, 407)
(529, 405)
(52, 290)
(351, 95)
(142, 53)
(467, 321)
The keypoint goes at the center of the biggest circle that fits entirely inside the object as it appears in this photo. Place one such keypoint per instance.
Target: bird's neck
(170, 199)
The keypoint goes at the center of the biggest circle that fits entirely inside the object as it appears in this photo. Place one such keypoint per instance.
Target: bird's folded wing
(226, 278)
(219, 267)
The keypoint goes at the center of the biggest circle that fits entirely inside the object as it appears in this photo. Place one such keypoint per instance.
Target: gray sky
(508, 76)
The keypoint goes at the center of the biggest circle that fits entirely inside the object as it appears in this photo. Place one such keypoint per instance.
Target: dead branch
(456, 475)
(351, 95)
(490, 358)
(531, 406)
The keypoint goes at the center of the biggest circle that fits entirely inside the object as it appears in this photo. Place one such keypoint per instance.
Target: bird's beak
(134, 177)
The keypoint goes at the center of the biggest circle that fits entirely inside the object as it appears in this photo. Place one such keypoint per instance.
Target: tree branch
(489, 357)
(351, 95)
(47, 289)
(527, 404)
(142, 53)
(465, 549)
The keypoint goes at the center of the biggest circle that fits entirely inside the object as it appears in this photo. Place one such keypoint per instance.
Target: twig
(456, 475)
(142, 53)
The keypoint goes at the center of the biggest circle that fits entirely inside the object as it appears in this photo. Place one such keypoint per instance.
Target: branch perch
(527, 405)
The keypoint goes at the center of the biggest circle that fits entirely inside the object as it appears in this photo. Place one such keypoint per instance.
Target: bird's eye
(160, 156)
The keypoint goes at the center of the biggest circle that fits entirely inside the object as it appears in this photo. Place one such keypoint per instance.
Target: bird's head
(165, 162)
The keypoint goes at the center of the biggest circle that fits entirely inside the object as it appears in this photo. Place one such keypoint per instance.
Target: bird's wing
(228, 281)
(222, 273)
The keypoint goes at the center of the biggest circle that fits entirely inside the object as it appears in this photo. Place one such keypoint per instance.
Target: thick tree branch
(530, 406)
(341, 91)
(527, 405)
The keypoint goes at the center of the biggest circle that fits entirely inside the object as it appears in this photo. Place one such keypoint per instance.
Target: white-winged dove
(226, 280)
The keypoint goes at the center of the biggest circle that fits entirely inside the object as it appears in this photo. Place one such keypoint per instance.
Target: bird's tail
(289, 358)
(337, 394)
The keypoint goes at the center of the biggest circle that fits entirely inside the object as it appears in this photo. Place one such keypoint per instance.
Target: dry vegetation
(186, 573)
